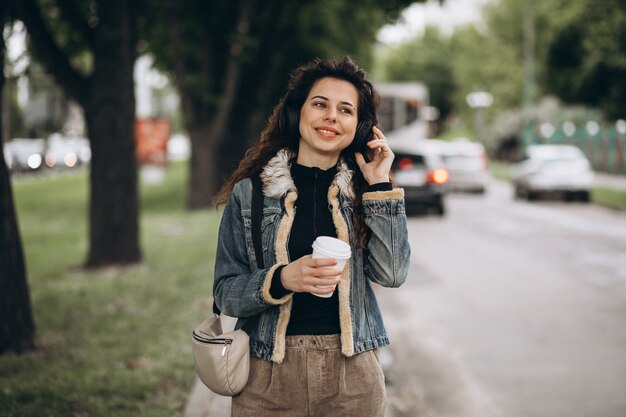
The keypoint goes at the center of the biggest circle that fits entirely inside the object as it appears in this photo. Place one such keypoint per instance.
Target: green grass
(114, 342)
(500, 170)
(609, 197)
(603, 196)
(457, 133)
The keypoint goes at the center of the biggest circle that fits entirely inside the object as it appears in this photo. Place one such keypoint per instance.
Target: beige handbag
(223, 359)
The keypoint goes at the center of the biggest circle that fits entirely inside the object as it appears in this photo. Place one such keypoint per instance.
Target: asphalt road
(512, 309)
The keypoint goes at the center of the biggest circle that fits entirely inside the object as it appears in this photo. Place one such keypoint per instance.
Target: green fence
(603, 146)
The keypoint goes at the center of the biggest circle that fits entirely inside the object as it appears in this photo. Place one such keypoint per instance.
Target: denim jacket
(242, 290)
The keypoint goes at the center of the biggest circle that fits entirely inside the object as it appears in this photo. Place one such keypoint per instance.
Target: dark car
(422, 173)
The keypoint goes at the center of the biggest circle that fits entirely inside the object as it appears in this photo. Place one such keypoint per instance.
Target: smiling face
(328, 121)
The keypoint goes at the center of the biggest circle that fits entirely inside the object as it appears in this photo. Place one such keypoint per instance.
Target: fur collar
(277, 181)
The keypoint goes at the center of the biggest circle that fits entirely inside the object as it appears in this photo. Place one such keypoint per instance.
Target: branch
(179, 63)
(233, 68)
(77, 20)
(55, 61)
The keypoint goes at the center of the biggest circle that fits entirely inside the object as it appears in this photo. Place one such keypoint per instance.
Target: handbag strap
(257, 215)
(256, 218)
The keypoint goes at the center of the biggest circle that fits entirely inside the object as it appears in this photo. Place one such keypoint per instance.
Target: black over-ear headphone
(289, 125)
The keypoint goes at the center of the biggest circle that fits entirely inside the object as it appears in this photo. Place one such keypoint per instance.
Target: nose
(331, 114)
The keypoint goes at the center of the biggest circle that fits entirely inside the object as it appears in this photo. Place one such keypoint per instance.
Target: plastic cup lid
(333, 247)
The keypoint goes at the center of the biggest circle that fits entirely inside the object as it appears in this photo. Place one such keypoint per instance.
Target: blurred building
(402, 104)
(154, 94)
(45, 108)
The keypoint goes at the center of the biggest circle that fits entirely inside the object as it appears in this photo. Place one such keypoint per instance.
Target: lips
(326, 131)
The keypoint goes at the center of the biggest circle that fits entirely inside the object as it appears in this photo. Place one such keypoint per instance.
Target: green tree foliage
(485, 63)
(427, 59)
(586, 57)
(579, 56)
(231, 60)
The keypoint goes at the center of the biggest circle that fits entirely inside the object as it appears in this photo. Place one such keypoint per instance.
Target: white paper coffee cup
(330, 247)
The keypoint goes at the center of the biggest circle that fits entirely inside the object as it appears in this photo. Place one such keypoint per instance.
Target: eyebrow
(325, 98)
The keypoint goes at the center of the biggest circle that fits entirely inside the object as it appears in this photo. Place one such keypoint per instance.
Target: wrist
(282, 278)
(373, 181)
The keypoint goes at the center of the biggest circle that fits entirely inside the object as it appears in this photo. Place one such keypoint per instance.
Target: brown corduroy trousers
(314, 380)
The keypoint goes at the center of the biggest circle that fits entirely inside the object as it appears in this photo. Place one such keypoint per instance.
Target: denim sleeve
(388, 247)
(238, 287)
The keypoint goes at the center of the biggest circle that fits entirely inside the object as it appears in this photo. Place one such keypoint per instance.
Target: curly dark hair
(271, 141)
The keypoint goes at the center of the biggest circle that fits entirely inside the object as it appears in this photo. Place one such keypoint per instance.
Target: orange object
(438, 176)
(151, 135)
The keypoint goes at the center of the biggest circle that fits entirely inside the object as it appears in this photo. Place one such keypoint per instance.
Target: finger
(334, 280)
(327, 272)
(378, 134)
(317, 262)
(324, 289)
(360, 160)
(322, 273)
(377, 143)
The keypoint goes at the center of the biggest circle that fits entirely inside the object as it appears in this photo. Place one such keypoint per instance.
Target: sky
(415, 18)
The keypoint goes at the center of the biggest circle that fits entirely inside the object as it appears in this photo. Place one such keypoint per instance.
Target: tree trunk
(17, 329)
(204, 168)
(108, 101)
(206, 124)
(110, 117)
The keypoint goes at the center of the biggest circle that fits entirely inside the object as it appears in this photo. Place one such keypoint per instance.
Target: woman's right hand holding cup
(306, 273)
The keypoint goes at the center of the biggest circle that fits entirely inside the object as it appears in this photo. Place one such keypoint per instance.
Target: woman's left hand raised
(377, 170)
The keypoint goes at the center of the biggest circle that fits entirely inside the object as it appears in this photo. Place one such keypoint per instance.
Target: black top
(312, 315)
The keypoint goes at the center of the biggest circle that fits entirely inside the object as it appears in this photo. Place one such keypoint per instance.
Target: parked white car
(552, 169)
(66, 152)
(22, 154)
(467, 164)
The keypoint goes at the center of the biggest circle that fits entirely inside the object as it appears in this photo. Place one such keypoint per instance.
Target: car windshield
(464, 162)
(555, 153)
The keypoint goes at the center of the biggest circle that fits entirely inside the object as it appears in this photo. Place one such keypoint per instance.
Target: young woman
(312, 355)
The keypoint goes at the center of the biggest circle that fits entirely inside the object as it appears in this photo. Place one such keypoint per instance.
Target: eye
(319, 104)
(346, 110)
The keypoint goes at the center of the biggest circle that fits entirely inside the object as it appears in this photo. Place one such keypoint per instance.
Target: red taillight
(485, 161)
(405, 163)
(438, 176)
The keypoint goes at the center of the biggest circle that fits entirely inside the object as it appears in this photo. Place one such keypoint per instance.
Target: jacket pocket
(268, 235)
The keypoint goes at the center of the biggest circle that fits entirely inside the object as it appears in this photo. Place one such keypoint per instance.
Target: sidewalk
(617, 182)
(204, 403)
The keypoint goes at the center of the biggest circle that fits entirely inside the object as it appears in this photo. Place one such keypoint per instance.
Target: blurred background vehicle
(419, 169)
(467, 164)
(24, 155)
(553, 169)
(66, 152)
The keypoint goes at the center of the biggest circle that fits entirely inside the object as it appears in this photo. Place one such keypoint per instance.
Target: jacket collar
(277, 180)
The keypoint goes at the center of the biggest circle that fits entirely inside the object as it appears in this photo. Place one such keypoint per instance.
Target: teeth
(328, 132)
